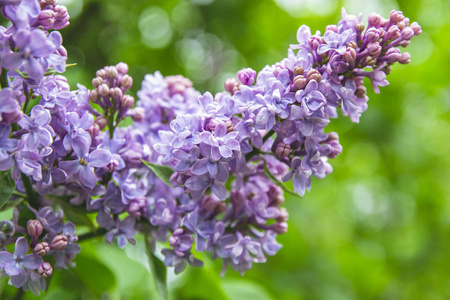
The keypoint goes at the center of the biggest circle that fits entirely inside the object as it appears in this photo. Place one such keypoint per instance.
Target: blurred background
(378, 227)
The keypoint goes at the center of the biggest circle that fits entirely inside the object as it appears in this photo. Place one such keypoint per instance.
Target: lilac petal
(222, 173)
(121, 241)
(21, 248)
(12, 60)
(306, 127)
(197, 183)
(44, 136)
(299, 184)
(32, 261)
(215, 153)
(212, 168)
(219, 190)
(12, 268)
(5, 257)
(200, 167)
(87, 177)
(40, 115)
(225, 151)
(86, 121)
(34, 68)
(287, 176)
(19, 279)
(99, 158)
(58, 175)
(220, 130)
(70, 167)
(68, 229)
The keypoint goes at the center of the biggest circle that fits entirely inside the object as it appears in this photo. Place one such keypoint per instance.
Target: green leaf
(163, 172)
(7, 186)
(158, 269)
(97, 277)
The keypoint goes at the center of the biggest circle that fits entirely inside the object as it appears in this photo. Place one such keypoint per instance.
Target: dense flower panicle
(229, 152)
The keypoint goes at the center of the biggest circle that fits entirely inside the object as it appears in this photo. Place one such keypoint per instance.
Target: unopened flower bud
(231, 85)
(298, 70)
(46, 18)
(103, 90)
(300, 81)
(126, 81)
(122, 68)
(282, 150)
(387, 70)
(93, 95)
(230, 126)
(361, 91)
(283, 216)
(246, 76)
(94, 130)
(100, 73)
(372, 34)
(407, 33)
(138, 114)
(405, 58)
(393, 32)
(416, 28)
(396, 16)
(350, 55)
(352, 44)
(371, 61)
(41, 249)
(34, 228)
(392, 55)
(313, 74)
(401, 25)
(127, 101)
(374, 49)
(45, 269)
(97, 81)
(404, 43)
(59, 242)
(115, 93)
(359, 27)
(101, 122)
(333, 28)
(375, 19)
(111, 72)
(281, 227)
(220, 208)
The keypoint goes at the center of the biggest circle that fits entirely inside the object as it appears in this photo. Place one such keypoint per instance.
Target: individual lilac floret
(123, 231)
(32, 45)
(21, 12)
(50, 174)
(77, 137)
(37, 129)
(335, 41)
(83, 168)
(10, 111)
(222, 143)
(301, 178)
(14, 264)
(7, 146)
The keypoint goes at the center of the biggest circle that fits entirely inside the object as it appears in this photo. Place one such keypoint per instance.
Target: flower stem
(32, 198)
(256, 151)
(89, 235)
(4, 79)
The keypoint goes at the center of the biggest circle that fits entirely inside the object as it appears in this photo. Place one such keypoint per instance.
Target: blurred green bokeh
(378, 227)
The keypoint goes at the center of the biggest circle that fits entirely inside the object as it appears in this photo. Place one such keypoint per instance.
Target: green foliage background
(378, 227)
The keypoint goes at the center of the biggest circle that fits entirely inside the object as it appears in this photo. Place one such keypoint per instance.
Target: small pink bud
(101, 122)
(97, 81)
(231, 85)
(115, 93)
(103, 90)
(100, 73)
(359, 27)
(396, 16)
(374, 49)
(122, 68)
(283, 216)
(127, 101)
(405, 58)
(138, 114)
(350, 55)
(126, 81)
(416, 28)
(375, 19)
(41, 249)
(59, 242)
(230, 126)
(333, 28)
(45, 269)
(298, 70)
(34, 228)
(393, 32)
(281, 227)
(300, 81)
(407, 33)
(93, 95)
(111, 72)
(282, 150)
(313, 74)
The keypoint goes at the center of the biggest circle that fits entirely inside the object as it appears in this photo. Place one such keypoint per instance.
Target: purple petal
(212, 168)
(99, 158)
(197, 183)
(12, 268)
(225, 151)
(87, 177)
(12, 60)
(222, 173)
(34, 68)
(5, 257)
(32, 261)
(200, 167)
(70, 167)
(19, 279)
(220, 130)
(21, 248)
(219, 190)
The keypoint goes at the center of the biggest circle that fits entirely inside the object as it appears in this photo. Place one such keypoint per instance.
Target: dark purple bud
(103, 90)
(405, 58)
(416, 28)
(283, 216)
(407, 33)
(300, 81)
(350, 55)
(94, 130)
(315, 42)
(45, 269)
(231, 85)
(93, 95)
(126, 81)
(115, 93)
(333, 28)
(34, 228)
(122, 68)
(59, 242)
(361, 91)
(41, 249)
(298, 70)
(313, 74)
(359, 27)
(97, 81)
(282, 150)
(127, 101)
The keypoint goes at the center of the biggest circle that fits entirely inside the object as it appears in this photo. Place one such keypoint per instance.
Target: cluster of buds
(52, 15)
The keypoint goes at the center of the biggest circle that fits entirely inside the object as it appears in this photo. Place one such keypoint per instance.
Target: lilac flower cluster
(197, 171)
